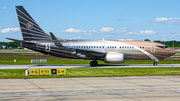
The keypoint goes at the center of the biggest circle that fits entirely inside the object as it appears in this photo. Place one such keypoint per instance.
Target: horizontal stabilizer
(15, 40)
(20, 41)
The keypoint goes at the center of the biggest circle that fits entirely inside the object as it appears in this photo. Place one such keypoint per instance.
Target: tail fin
(29, 28)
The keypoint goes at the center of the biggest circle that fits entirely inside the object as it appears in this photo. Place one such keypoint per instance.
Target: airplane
(109, 51)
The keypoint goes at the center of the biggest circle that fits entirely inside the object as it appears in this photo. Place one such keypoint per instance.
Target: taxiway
(148, 88)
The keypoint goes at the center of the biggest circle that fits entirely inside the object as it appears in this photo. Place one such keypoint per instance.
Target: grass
(95, 72)
(71, 62)
(76, 61)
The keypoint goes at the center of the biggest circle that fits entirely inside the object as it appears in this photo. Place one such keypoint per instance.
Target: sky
(96, 19)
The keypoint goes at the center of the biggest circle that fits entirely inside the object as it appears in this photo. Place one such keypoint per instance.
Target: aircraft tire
(93, 63)
(155, 63)
(96, 63)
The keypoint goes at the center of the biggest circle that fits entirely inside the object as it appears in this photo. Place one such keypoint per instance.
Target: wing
(89, 54)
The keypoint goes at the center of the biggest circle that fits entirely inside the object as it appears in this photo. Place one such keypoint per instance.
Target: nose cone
(171, 52)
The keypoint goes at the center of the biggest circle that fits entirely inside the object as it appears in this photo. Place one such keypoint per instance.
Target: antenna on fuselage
(103, 39)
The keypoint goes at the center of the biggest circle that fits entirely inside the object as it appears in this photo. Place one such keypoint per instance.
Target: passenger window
(102, 46)
(99, 46)
(112, 46)
(107, 46)
(91, 46)
(127, 46)
(130, 47)
(120, 47)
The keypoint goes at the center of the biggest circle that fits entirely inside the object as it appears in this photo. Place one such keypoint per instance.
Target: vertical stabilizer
(29, 28)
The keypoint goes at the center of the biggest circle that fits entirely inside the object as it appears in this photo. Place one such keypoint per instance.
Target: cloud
(3, 8)
(10, 30)
(106, 29)
(112, 30)
(72, 30)
(122, 19)
(146, 32)
(173, 21)
(109, 35)
(103, 30)
(164, 39)
(87, 34)
(130, 33)
(93, 31)
(77, 37)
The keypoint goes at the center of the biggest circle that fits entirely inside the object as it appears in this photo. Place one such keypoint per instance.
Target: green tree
(146, 39)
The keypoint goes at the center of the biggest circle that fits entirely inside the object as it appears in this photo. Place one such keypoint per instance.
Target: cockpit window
(163, 47)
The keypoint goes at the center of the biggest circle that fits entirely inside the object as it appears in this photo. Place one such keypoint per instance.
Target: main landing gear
(155, 64)
(94, 63)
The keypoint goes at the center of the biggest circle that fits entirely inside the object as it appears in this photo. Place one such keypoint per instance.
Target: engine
(113, 57)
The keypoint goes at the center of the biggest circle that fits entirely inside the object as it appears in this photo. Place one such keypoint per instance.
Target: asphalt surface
(147, 88)
(85, 66)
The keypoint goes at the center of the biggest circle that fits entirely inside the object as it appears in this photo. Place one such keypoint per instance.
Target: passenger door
(47, 47)
(152, 48)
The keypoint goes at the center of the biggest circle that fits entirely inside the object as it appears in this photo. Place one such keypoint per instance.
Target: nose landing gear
(94, 63)
(155, 64)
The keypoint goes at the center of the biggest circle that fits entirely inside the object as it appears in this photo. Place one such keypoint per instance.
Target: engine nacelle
(113, 57)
